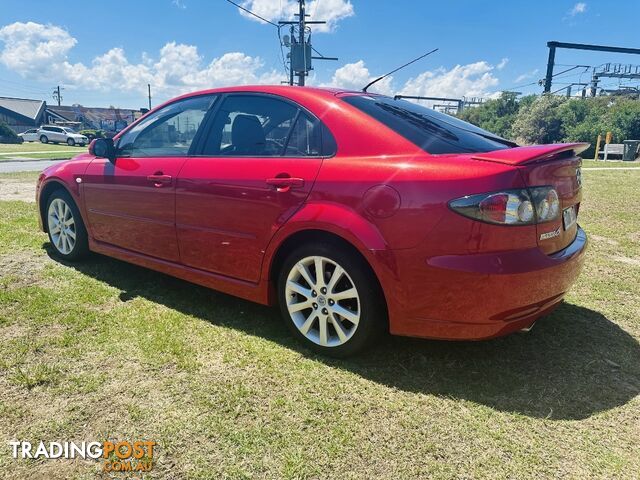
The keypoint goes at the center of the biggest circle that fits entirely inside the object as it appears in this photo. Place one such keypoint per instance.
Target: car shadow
(573, 364)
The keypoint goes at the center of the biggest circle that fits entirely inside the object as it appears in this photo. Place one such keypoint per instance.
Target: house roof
(91, 116)
(22, 106)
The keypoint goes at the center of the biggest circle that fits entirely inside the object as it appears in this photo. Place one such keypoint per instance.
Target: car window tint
(306, 138)
(167, 132)
(434, 132)
(250, 125)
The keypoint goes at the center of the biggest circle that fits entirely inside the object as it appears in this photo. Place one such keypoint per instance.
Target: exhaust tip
(527, 329)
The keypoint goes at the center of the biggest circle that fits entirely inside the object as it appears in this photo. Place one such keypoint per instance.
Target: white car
(30, 135)
(54, 134)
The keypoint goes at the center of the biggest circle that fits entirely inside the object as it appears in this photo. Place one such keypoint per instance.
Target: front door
(259, 159)
(131, 202)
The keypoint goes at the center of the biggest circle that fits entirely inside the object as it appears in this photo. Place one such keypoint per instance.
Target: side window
(250, 125)
(167, 132)
(306, 138)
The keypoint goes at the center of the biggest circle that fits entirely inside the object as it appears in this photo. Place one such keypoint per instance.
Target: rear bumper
(481, 296)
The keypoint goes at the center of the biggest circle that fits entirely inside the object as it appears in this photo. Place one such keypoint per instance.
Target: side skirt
(249, 291)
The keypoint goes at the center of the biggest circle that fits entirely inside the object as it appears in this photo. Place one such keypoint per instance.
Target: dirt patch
(22, 268)
(11, 189)
(627, 260)
(601, 239)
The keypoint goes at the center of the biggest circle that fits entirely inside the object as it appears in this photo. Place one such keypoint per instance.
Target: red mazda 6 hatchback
(356, 213)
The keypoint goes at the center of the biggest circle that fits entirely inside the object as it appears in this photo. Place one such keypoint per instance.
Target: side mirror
(103, 148)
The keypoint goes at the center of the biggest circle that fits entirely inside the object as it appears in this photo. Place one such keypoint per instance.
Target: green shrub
(7, 135)
(91, 133)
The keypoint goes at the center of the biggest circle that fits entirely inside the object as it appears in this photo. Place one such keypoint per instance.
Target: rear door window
(250, 125)
(434, 132)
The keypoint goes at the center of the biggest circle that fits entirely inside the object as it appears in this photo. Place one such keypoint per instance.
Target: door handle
(159, 179)
(284, 184)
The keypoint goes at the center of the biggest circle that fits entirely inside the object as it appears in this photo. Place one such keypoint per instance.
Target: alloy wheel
(62, 226)
(322, 301)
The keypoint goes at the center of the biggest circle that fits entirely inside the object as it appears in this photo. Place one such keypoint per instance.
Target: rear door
(259, 158)
(130, 203)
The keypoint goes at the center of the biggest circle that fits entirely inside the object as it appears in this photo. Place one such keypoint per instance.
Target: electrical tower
(300, 49)
(578, 46)
(613, 70)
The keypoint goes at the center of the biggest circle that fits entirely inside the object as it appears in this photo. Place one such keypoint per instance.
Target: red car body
(219, 222)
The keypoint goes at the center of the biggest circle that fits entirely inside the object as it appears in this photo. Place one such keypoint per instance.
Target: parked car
(356, 213)
(54, 134)
(30, 135)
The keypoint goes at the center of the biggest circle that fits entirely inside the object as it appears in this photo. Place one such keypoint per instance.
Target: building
(21, 114)
(108, 119)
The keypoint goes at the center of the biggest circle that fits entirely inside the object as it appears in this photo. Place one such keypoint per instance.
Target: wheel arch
(315, 235)
(50, 187)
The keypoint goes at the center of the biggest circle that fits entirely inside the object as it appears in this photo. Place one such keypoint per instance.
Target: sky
(105, 53)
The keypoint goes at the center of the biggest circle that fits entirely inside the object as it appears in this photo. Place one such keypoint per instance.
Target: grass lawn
(610, 164)
(38, 150)
(105, 350)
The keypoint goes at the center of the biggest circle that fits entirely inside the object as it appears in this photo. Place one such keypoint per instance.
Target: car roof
(288, 91)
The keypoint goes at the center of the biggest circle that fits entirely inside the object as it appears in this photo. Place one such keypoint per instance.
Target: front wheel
(44, 139)
(71, 142)
(66, 229)
(330, 300)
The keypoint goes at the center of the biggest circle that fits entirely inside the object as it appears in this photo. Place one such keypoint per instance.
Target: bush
(91, 133)
(7, 135)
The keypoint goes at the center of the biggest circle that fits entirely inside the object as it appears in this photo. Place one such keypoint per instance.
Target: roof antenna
(399, 68)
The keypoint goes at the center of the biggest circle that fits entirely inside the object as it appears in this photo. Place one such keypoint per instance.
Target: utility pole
(56, 95)
(149, 88)
(300, 55)
(301, 39)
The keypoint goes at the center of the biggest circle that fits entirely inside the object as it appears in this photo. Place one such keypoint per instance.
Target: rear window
(434, 132)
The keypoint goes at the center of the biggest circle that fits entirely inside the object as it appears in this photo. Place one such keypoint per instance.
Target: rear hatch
(557, 165)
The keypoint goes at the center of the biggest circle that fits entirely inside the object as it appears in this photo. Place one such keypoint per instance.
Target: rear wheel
(71, 142)
(330, 300)
(44, 139)
(66, 229)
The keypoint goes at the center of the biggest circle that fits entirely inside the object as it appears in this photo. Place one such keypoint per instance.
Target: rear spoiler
(533, 153)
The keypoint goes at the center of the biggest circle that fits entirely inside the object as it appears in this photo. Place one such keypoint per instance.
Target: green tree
(495, 115)
(540, 121)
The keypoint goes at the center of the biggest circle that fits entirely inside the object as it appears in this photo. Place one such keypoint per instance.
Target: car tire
(336, 317)
(44, 139)
(71, 142)
(67, 233)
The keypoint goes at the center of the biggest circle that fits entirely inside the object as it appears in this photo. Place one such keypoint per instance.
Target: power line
(252, 13)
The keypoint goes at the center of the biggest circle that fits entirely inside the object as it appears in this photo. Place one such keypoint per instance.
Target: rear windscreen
(434, 132)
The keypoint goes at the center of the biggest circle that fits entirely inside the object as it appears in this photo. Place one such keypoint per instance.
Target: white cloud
(36, 50)
(30, 47)
(179, 4)
(526, 76)
(354, 76)
(502, 64)
(330, 11)
(578, 8)
(472, 80)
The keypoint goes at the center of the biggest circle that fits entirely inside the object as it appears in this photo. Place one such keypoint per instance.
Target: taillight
(510, 207)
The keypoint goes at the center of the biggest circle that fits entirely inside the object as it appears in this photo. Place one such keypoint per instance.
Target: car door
(130, 203)
(58, 135)
(30, 135)
(257, 162)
